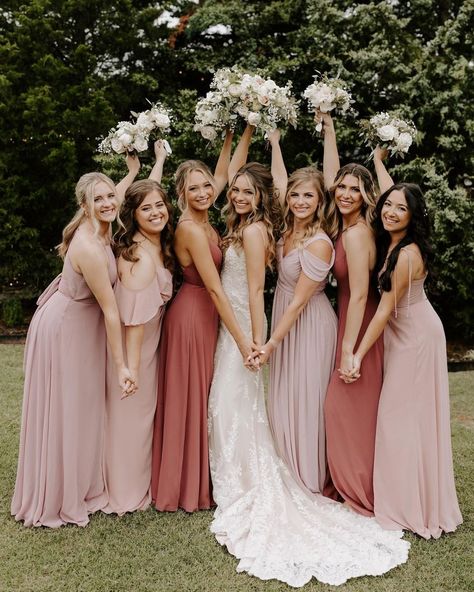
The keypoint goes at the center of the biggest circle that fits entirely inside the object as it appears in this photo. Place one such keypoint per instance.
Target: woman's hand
(250, 354)
(133, 163)
(274, 136)
(323, 121)
(346, 365)
(160, 150)
(127, 381)
(354, 373)
(380, 153)
(267, 350)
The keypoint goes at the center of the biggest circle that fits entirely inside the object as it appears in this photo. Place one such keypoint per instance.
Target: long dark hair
(124, 243)
(418, 232)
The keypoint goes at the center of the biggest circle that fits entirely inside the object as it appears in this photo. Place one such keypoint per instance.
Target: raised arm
(254, 250)
(279, 174)
(222, 166)
(305, 288)
(92, 264)
(331, 162)
(239, 158)
(156, 173)
(133, 165)
(197, 245)
(384, 180)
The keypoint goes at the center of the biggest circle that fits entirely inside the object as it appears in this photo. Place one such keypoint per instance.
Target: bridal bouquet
(393, 133)
(130, 136)
(327, 95)
(234, 93)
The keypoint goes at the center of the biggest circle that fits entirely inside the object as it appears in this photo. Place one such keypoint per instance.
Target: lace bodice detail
(234, 282)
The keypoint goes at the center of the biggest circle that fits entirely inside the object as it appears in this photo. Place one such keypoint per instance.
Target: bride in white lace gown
(263, 517)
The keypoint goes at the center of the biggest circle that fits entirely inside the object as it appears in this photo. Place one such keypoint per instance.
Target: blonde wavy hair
(367, 188)
(324, 218)
(265, 209)
(181, 177)
(85, 200)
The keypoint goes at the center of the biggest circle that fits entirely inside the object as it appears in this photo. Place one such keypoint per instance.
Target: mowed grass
(162, 552)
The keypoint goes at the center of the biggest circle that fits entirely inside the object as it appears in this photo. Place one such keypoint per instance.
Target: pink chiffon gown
(59, 478)
(129, 421)
(301, 367)
(413, 471)
(351, 409)
(180, 465)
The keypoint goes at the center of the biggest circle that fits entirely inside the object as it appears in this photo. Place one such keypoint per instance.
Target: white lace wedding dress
(274, 528)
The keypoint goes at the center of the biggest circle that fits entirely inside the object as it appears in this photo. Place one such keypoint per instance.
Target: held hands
(250, 355)
(128, 383)
(352, 373)
(267, 350)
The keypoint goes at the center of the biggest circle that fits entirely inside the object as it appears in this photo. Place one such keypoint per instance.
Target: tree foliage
(71, 69)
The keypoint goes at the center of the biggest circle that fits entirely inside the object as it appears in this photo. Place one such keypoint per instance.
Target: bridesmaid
(351, 409)
(413, 470)
(145, 265)
(59, 478)
(303, 338)
(180, 465)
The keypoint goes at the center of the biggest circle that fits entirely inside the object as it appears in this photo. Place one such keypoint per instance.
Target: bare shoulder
(359, 234)
(189, 230)
(139, 274)
(86, 247)
(254, 232)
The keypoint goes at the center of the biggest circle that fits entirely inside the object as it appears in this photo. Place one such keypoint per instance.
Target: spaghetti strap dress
(414, 485)
(59, 478)
(301, 367)
(350, 410)
(180, 463)
(129, 421)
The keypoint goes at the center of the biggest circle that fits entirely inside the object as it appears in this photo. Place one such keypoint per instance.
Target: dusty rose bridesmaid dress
(180, 465)
(300, 369)
(351, 409)
(413, 471)
(129, 421)
(59, 478)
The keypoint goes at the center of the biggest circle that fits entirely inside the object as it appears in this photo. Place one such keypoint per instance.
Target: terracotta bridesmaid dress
(300, 368)
(351, 409)
(413, 472)
(129, 421)
(180, 466)
(59, 478)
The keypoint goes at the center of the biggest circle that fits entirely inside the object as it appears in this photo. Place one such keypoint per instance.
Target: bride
(275, 529)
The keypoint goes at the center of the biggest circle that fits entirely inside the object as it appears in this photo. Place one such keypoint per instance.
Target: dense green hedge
(70, 70)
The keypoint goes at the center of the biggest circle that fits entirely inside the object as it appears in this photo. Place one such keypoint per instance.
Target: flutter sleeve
(137, 307)
(314, 267)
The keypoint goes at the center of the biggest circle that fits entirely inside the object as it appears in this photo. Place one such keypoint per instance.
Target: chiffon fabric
(301, 367)
(180, 466)
(273, 527)
(59, 478)
(129, 421)
(351, 409)
(413, 471)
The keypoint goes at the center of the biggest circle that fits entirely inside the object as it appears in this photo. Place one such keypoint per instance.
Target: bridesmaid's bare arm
(254, 249)
(279, 174)
(305, 288)
(91, 260)
(156, 173)
(239, 158)
(384, 179)
(222, 166)
(358, 244)
(197, 245)
(331, 163)
(133, 165)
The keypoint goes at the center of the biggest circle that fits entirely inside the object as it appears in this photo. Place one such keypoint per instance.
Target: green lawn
(149, 551)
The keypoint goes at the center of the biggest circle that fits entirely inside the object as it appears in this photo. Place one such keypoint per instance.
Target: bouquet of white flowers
(258, 101)
(130, 136)
(327, 95)
(391, 132)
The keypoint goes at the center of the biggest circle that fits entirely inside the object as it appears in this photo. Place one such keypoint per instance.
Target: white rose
(404, 141)
(386, 133)
(234, 90)
(254, 118)
(124, 137)
(117, 145)
(242, 110)
(161, 119)
(208, 132)
(263, 99)
(326, 106)
(145, 121)
(140, 144)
